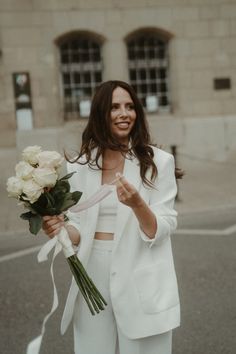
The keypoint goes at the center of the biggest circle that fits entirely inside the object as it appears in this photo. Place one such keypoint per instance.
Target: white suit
(143, 284)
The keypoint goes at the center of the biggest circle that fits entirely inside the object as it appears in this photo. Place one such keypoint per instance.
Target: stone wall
(202, 48)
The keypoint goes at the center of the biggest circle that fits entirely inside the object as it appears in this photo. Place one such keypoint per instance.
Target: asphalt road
(206, 271)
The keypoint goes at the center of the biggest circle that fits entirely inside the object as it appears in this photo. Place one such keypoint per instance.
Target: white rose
(32, 191)
(30, 153)
(49, 159)
(24, 170)
(14, 187)
(45, 176)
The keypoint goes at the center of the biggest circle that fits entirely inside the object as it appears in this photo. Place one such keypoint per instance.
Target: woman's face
(123, 115)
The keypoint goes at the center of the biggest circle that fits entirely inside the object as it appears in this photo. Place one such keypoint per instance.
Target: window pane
(85, 57)
(144, 88)
(95, 56)
(153, 88)
(66, 78)
(65, 58)
(163, 87)
(98, 76)
(95, 46)
(151, 41)
(64, 47)
(74, 45)
(151, 53)
(84, 44)
(87, 91)
(87, 77)
(76, 77)
(162, 73)
(164, 101)
(142, 74)
(132, 75)
(75, 57)
(141, 54)
(131, 54)
(67, 92)
(161, 54)
(152, 74)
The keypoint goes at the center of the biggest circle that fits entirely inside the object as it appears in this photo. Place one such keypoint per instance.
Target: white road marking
(204, 232)
(207, 232)
(18, 254)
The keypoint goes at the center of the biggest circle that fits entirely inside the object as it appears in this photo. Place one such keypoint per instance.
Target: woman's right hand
(52, 225)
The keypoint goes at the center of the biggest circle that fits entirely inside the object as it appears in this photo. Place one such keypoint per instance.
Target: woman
(125, 241)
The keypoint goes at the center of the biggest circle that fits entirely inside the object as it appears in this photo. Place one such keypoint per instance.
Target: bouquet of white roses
(38, 187)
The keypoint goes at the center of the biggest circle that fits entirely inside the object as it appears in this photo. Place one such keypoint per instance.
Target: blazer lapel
(132, 175)
(93, 183)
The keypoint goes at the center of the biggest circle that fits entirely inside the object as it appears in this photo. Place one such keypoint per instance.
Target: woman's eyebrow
(117, 103)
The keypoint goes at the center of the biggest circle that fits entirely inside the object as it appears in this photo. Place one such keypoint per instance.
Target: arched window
(148, 65)
(81, 73)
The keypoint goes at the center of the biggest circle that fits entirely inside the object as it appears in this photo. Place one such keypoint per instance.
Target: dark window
(81, 70)
(148, 69)
(222, 84)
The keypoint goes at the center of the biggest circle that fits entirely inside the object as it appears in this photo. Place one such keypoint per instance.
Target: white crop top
(107, 213)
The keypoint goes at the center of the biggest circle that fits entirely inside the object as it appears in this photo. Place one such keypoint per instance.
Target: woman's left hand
(127, 194)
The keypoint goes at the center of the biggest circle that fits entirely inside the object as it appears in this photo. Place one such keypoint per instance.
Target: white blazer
(143, 284)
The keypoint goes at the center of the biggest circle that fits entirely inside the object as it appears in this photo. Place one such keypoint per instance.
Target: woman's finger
(52, 225)
(121, 188)
(126, 185)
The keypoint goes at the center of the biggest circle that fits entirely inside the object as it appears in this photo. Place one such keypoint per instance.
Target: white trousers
(100, 334)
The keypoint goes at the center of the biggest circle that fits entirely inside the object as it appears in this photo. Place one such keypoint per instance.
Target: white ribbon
(63, 242)
(35, 344)
(104, 191)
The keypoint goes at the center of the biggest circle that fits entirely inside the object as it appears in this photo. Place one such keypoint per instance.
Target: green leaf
(68, 203)
(69, 175)
(43, 206)
(40, 204)
(62, 186)
(26, 216)
(76, 196)
(35, 224)
(50, 200)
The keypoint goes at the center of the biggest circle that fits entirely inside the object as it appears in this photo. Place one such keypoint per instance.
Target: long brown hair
(97, 133)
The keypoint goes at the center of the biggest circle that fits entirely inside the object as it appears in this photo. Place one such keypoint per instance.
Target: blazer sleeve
(74, 218)
(162, 202)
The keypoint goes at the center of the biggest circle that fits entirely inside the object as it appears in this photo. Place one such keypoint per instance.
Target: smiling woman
(125, 239)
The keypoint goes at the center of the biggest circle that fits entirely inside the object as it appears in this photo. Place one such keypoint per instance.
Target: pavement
(207, 186)
(205, 265)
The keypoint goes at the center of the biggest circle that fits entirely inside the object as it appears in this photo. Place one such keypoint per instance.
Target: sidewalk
(207, 186)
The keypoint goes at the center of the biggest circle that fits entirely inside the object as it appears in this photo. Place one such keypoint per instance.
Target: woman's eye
(131, 107)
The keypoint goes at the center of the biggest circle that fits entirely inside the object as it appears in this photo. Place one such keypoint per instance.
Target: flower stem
(88, 280)
(92, 296)
(80, 284)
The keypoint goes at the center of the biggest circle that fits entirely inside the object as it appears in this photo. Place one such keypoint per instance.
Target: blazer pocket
(157, 287)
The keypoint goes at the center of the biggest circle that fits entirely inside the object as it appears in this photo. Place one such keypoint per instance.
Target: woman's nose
(123, 112)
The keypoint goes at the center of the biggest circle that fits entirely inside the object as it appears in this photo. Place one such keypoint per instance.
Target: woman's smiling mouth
(123, 125)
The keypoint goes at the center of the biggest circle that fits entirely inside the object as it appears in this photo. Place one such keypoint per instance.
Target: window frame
(140, 68)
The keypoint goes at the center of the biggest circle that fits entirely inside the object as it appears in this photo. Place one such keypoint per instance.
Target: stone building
(180, 55)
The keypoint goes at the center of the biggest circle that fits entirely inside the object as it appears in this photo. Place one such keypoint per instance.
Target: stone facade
(202, 121)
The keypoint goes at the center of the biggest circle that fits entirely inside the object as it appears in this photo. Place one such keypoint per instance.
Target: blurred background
(180, 57)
